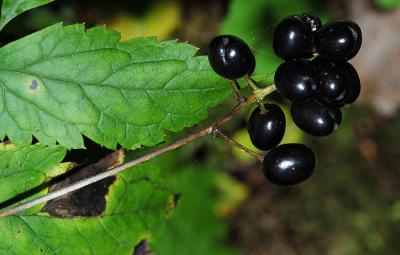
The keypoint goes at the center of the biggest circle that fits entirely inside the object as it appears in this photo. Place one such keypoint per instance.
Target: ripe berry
(315, 117)
(266, 129)
(312, 21)
(295, 79)
(332, 78)
(339, 40)
(346, 77)
(353, 85)
(231, 57)
(334, 112)
(293, 39)
(289, 164)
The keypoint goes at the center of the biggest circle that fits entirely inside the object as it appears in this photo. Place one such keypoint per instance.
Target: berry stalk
(253, 87)
(218, 133)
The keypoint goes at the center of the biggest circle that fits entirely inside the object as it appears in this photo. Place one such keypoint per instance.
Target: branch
(238, 145)
(258, 95)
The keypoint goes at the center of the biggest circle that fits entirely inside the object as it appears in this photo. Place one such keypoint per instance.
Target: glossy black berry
(315, 117)
(347, 77)
(266, 129)
(293, 39)
(231, 57)
(312, 21)
(339, 40)
(289, 164)
(332, 81)
(334, 112)
(353, 85)
(295, 79)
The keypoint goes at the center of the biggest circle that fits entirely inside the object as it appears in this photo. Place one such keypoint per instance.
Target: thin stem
(254, 154)
(253, 86)
(236, 92)
(101, 176)
(259, 94)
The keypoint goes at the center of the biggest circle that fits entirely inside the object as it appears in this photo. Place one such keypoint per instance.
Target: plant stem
(259, 94)
(236, 91)
(238, 145)
(253, 87)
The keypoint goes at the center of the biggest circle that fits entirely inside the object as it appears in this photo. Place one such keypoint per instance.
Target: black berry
(231, 57)
(353, 85)
(266, 129)
(295, 79)
(315, 117)
(342, 75)
(339, 40)
(332, 80)
(334, 112)
(289, 164)
(293, 39)
(312, 21)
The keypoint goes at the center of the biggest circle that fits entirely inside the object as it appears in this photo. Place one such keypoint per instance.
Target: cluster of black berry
(313, 87)
(317, 88)
(286, 164)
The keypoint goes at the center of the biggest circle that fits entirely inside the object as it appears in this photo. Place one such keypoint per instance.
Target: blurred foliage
(232, 194)
(388, 4)
(43, 17)
(349, 206)
(194, 227)
(161, 21)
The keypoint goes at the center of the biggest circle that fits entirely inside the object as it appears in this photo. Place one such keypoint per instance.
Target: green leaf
(12, 8)
(24, 168)
(62, 82)
(136, 204)
(194, 227)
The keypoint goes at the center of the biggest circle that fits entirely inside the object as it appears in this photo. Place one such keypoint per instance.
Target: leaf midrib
(40, 76)
(85, 94)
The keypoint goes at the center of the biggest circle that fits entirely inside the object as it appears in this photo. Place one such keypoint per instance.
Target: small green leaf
(137, 204)
(12, 8)
(24, 168)
(62, 82)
